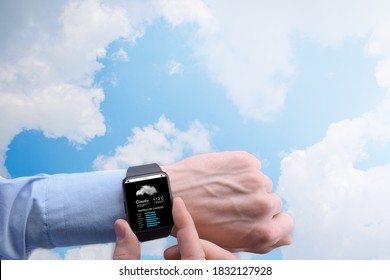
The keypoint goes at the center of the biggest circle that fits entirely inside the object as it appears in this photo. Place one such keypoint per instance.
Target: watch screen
(148, 202)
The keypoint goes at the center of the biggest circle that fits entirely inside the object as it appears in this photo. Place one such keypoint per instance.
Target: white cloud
(330, 23)
(179, 12)
(247, 46)
(91, 252)
(379, 46)
(60, 110)
(44, 254)
(48, 68)
(155, 248)
(146, 189)
(53, 47)
(86, 252)
(340, 210)
(150, 249)
(240, 50)
(250, 59)
(161, 142)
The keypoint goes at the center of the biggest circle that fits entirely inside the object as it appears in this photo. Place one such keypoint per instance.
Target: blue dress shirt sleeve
(47, 211)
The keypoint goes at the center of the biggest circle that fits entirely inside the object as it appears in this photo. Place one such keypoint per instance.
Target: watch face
(148, 200)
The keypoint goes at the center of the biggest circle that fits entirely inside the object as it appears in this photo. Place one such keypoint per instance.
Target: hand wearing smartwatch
(148, 201)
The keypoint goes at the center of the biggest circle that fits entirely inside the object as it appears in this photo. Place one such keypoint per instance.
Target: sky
(303, 85)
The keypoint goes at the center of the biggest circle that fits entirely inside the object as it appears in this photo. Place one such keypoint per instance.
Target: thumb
(127, 245)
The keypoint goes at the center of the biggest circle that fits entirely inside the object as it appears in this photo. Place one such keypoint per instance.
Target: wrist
(182, 179)
(190, 182)
(175, 178)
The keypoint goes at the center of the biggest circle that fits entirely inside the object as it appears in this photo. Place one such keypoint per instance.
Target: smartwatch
(148, 201)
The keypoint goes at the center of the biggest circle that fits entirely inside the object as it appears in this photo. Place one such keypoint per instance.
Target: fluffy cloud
(161, 142)
(50, 54)
(60, 110)
(239, 50)
(248, 47)
(48, 63)
(87, 252)
(43, 254)
(155, 248)
(250, 59)
(185, 11)
(91, 252)
(146, 189)
(341, 209)
(150, 249)
(338, 189)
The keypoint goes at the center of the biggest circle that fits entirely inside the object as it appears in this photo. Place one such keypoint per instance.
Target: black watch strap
(143, 169)
(153, 234)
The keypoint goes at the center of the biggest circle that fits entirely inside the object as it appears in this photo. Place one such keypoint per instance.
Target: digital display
(148, 201)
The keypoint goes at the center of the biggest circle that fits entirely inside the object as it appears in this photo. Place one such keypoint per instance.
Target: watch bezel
(154, 233)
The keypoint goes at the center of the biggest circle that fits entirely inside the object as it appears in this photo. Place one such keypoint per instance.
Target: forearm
(59, 210)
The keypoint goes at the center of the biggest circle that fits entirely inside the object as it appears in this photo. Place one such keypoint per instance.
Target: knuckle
(256, 207)
(258, 180)
(262, 206)
(267, 236)
(253, 181)
(265, 204)
(277, 203)
(267, 182)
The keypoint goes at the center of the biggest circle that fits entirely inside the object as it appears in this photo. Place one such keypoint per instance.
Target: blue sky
(304, 89)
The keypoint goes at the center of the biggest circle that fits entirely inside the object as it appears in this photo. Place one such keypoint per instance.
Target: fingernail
(119, 231)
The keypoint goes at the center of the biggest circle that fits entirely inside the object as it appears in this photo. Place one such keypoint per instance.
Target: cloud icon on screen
(146, 189)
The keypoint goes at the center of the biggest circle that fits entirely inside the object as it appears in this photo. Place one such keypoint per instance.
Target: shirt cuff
(81, 208)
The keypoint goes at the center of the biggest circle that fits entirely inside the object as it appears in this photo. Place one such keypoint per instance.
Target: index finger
(187, 236)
